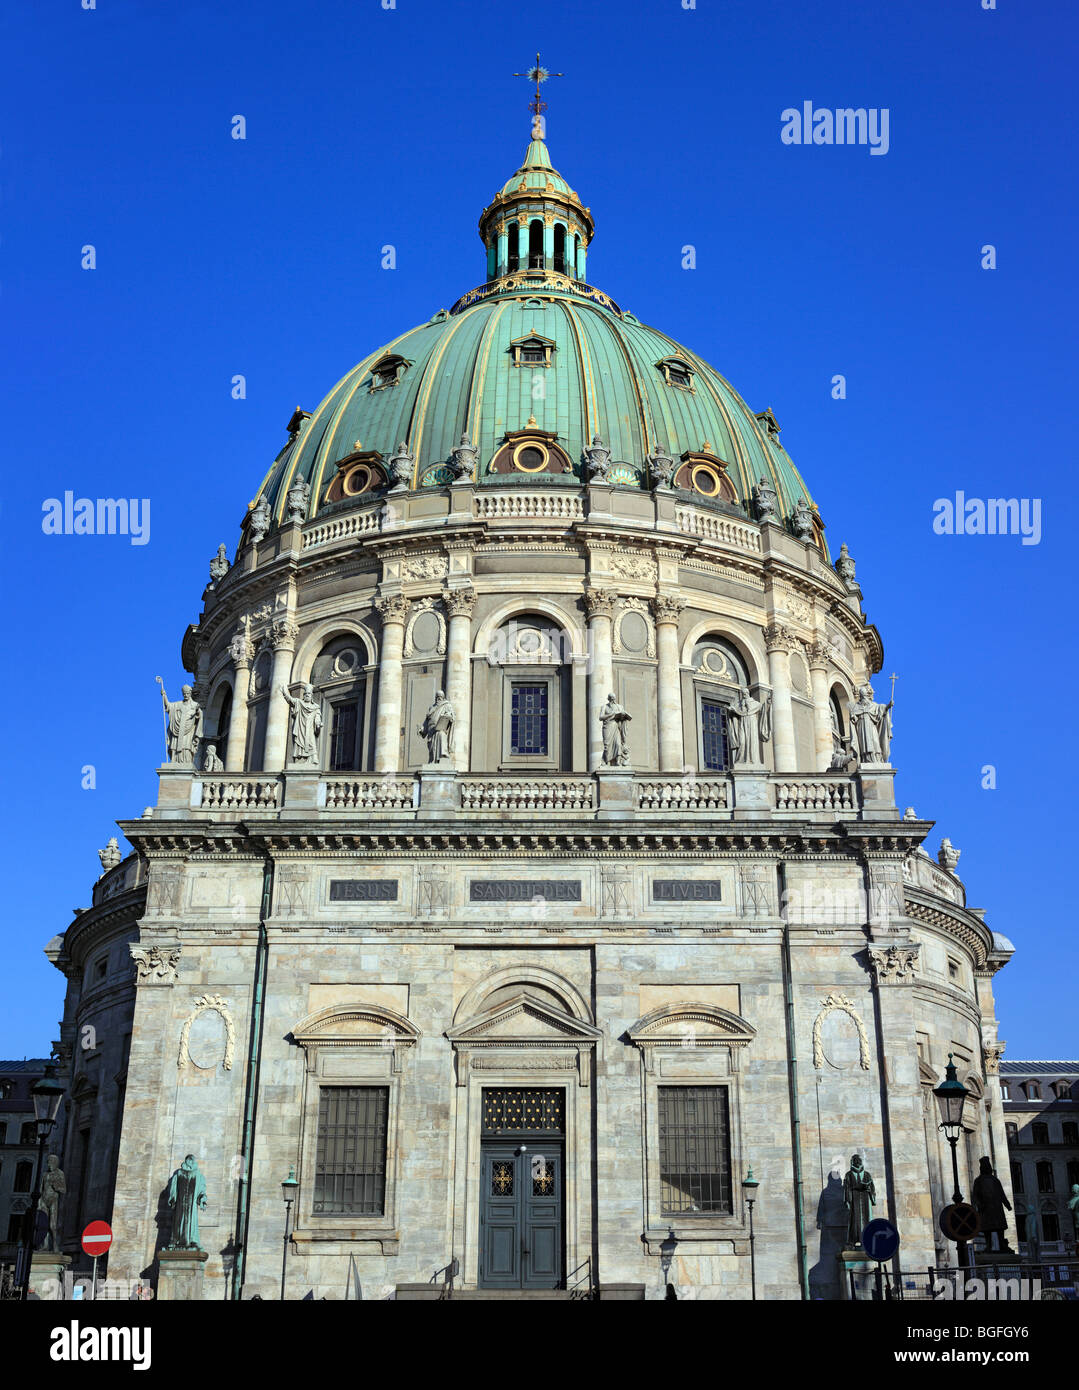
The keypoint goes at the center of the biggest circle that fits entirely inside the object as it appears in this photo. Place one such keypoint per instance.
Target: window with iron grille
(528, 719)
(1046, 1182)
(694, 1150)
(350, 1166)
(536, 1110)
(714, 734)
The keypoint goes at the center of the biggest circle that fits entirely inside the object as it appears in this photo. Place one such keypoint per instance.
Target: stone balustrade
(556, 505)
(238, 793)
(528, 794)
(684, 794)
(835, 794)
(711, 527)
(342, 528)
(367, 793)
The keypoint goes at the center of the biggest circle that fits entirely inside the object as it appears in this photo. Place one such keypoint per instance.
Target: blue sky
(368, 126)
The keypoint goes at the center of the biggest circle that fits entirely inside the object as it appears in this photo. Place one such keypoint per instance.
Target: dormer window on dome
(676, 373)
(533, 351)
(531, 450)
(387, 372)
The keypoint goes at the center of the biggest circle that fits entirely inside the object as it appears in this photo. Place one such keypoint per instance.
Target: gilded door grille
(502, 1179)
(350, 1167)
(694, 1150)
(529, 1109)
(542, 1177)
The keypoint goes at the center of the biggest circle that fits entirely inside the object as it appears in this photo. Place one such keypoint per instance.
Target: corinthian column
(779, 642)
(393, 612)
(283, 637)
(459, 604)
(666, 609)
(242, 652)
(599, 604)
(822, 714)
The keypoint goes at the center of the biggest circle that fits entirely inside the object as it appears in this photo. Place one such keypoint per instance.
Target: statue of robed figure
(53, 1187)
(871, 727)
(749, 727)
(614, 718)
(437, 729)
(187, 1196)
(989, 1202)
(859, 1193)
(183, 726)
(306, 724)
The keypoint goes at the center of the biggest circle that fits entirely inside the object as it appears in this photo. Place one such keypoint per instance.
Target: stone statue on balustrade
(400, 466)
(186, 1198)
(660, 468)
(183, 726)
(990, 1201)
(110, 856)
(462, 462)
(859, 1194)
(437, 729)
(749, 727)
(53, 1188)
(765, 501)
(802, 521)
(597, 460)
(614, 718)
(306, 724)
(296, 500)
(871, 727)
(211, 762)
(219, 565)
(259, 521)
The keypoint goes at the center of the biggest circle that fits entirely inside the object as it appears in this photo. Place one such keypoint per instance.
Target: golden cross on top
(537, 75)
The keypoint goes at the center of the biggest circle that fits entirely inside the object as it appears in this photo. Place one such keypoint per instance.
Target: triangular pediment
(523, 1019)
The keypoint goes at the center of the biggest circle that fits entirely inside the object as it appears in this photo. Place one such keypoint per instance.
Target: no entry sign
(97, 1238)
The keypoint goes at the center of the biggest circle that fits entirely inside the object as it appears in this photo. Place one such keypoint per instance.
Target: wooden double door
(522, 1213)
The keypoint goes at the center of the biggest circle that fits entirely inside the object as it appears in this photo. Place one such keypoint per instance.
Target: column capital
(992, 1052)
(242, 651)
(393, 609)
(818, 652)
(459, 603)
(283, 634)
(779, 639)
(894, 965)
(599, 603)
(667, 608)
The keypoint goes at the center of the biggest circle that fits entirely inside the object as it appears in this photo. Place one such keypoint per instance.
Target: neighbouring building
(527, 863)
(1041, 1120)
(19, 1151)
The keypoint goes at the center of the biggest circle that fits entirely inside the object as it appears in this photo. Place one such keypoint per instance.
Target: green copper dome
(533, 349)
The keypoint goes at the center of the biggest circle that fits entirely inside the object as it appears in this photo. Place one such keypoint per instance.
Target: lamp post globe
(951, 1097)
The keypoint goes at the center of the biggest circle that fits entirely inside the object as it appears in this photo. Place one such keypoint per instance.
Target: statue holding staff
(183, 726)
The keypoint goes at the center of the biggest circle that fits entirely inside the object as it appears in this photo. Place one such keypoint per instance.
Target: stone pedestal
(856, 1261)
(877, 783)
(438, 788)
(179, 1274)
(752, 795)
(617, 793)
(302, 789)
(47, 1270)
(174, 787)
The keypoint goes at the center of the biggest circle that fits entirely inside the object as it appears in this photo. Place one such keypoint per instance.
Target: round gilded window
(359, 478)
(706, 480)
(530, 457)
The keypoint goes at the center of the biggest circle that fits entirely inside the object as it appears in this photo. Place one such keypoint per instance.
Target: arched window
(535, 244)
(340, 679)
(513, 259)
(28, 1133)
(219, 737)
(719, 674)
(24, 1172)
(560, 248)
(528, 677)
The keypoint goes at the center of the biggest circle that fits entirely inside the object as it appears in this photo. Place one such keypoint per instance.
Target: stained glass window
(714, 731)
(528, 719)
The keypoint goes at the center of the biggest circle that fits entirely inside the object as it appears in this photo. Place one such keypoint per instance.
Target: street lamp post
(666, 1257)
(749, 1187)
(47, 1095)
(951, 1096)
(288, 1192)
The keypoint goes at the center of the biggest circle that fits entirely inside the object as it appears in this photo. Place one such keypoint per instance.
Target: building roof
(606, 376)
(25, 1065)
(1020, 1068)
